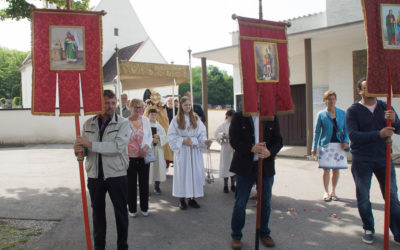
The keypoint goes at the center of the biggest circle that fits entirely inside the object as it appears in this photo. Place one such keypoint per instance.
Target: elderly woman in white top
(226, 154)
(187, 138)
(138, 146)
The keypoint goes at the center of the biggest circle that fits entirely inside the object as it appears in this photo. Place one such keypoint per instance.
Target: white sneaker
(145, 214)
(132, 214)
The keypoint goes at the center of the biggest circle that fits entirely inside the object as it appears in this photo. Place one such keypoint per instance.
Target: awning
(139, 75)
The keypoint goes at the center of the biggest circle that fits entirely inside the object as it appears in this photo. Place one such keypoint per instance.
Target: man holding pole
(105, 144)
(366, 125)
(244, 139)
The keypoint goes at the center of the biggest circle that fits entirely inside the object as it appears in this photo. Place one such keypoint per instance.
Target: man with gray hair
(124, 104)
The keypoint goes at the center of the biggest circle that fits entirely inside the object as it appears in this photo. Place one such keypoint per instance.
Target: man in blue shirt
(366, 125)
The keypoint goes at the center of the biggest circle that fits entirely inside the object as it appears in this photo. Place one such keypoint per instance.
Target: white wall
(26, 85)
(313, 21)
(341, 73)
(237, 83)
(121, 15)
(343, 11)
(149, 53)
(21, 127)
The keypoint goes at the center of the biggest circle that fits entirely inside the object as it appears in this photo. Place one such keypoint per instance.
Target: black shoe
(226, 190)
(157, 190)
(193, 203)
(233, 188)
(182, 204)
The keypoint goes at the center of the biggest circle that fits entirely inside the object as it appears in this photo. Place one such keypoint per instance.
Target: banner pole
(190, 75)
(119, 86)
(260, 166)
(388, 167)
(83, 188)
(259, 172)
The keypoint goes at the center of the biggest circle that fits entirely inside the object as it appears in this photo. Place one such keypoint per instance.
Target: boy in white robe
(157, 168)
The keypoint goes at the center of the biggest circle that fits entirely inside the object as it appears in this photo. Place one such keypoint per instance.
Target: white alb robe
(226, 153)
(158, 168)
(189, 177)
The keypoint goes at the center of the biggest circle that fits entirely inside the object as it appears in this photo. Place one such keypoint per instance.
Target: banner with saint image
(264, 64)
(66, 50)
(382, 25)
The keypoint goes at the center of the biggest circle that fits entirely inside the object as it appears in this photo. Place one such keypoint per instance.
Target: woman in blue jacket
(330, 128)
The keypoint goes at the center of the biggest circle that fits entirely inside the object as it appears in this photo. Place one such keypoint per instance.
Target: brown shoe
(236, 244)
(268, 241)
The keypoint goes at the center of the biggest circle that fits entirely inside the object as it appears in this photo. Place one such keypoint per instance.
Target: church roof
(125, 54)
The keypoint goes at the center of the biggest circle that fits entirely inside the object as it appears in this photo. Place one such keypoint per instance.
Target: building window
(115, 31)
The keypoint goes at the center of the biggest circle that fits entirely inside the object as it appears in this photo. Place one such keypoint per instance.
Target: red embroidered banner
(66, 48)
(382, 25)
(264, 62)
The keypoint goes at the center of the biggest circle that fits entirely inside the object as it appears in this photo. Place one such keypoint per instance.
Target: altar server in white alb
(226, 154)
(157, 168)
(187, 138)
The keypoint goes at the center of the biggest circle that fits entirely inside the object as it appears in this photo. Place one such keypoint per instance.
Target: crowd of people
(123, 154)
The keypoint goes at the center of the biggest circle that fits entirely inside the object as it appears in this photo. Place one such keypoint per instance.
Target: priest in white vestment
(226, 154)
(157, 168)
(188, 139)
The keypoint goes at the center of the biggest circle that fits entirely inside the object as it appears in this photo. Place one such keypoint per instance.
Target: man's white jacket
(113, 147)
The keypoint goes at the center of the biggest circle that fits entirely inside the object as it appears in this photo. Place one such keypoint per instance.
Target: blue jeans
(243, 189)
(362, 173)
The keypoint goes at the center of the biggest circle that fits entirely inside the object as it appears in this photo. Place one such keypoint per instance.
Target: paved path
(42, 182)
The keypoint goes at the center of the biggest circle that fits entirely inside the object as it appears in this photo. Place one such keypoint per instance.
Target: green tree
(219, 86)
(20, 9)
(10, 77)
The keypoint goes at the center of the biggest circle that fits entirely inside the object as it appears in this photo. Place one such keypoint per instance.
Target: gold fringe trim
(43, 113)
(70, 114)
(261, 25)
(261, 39)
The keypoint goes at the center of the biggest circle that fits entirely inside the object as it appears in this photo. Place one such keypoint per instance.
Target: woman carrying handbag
(139, 149)
(332, 141)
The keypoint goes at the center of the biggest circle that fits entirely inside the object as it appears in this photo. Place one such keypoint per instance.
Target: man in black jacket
(244, 139)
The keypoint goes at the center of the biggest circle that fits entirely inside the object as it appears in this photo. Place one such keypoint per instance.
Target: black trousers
(137, 168)
(117, 188)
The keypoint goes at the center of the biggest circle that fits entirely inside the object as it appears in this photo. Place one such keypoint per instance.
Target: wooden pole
(260, 166)
(309, 96)
(82, 178)
(190, 76)
(204, 88)
(388, 168)
(83, 189)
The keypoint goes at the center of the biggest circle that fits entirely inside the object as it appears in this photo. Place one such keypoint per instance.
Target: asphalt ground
(41, 182)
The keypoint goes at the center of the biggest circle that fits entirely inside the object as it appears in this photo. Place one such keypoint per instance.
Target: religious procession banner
(264, 62)
(382, 25)
(66, 51)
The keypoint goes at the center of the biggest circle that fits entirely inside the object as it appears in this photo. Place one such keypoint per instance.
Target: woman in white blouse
(140, 141)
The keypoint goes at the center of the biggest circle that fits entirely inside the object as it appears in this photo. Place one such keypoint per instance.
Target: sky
(177, 25)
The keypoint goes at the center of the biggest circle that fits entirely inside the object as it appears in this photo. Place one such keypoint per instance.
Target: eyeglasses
(138, 107)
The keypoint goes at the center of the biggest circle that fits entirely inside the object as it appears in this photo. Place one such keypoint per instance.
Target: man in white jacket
(104, 142)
